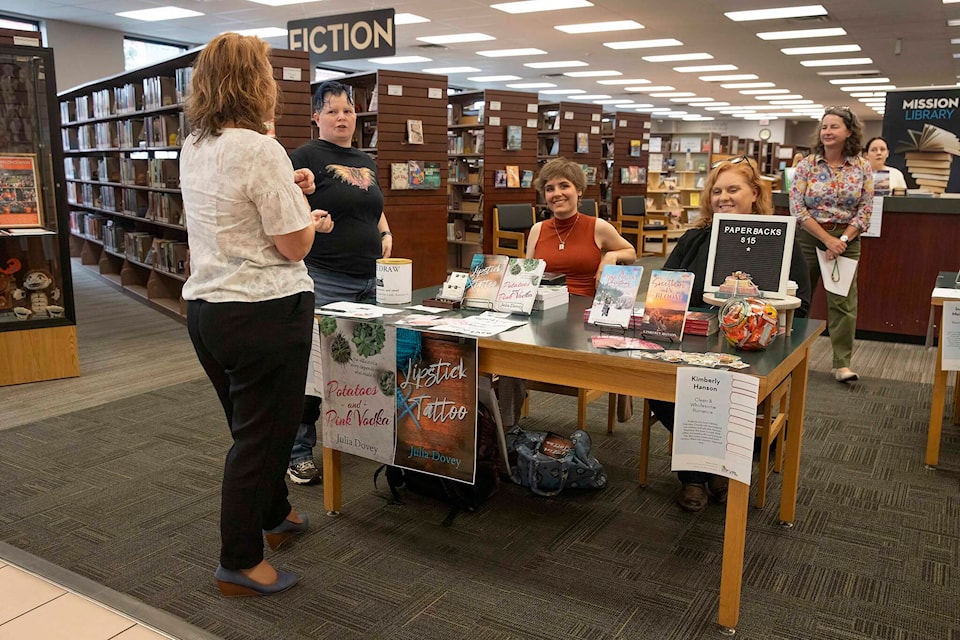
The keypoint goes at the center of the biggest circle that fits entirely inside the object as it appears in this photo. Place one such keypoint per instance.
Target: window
(140, 53)
(22, 25)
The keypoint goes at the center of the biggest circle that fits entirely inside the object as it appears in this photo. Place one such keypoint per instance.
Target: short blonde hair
(561, 168)
(232, 83)
(747, 168)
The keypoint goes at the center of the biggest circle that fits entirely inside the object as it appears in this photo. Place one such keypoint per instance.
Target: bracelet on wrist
(384, 234)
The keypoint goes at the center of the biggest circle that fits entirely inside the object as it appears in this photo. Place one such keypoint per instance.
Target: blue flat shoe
(287, 530)
(234, 584)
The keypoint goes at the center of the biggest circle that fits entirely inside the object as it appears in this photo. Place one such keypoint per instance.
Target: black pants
(664, 412)
(256, 356)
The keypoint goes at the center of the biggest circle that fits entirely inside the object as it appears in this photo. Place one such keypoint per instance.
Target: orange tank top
(580, 256)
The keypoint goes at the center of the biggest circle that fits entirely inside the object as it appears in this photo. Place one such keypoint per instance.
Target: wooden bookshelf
(563, 128)
(630, 137)
(490, 116)
(22, 38)
(417, 216)
(121, 137)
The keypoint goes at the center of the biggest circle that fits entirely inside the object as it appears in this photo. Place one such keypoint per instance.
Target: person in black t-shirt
(343, 262)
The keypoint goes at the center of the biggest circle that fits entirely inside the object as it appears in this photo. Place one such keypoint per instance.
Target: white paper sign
(646, 125)
(436, 93)
(292, 73)
(532, 108)
(715, 422)
(394, 89)
(494, 121)
(532, 123)
(494, 105)
(315, 369)
(837, 275)
(623, 123)
(951, 337)
(594, 130)
(568, 115)
(876, 219)
(595, 117)
(655, 145)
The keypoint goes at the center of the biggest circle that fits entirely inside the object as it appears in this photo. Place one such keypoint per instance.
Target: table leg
(734, 541)
(791, 470)
(332, 481)
(936, 407)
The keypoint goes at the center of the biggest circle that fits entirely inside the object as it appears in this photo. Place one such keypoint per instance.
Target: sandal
(693, 497)
(719, 486)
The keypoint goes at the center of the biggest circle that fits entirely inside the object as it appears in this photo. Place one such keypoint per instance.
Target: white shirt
(897, 181)
(238, 190)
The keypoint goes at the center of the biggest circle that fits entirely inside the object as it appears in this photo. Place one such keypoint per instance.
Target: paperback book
(486, 274)
(501, 283)
(415, 131)
(701, 323)
(616, 295)
(513, 176)
(668, 298)
(514, 137)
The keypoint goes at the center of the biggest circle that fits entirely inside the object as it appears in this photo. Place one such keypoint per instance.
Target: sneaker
(304, 472)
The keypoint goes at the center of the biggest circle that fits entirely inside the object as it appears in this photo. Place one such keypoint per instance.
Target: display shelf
(122, 138)
(37, 316)
(572, 130)
(490, 134)
(629, 157)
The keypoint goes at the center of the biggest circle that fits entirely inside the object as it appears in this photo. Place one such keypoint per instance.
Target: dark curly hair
(853, 144)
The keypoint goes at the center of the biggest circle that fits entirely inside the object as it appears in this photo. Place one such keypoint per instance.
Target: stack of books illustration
(929, 155)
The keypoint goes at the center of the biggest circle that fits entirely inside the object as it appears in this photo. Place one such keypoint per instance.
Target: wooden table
(555, 348)
(945, 281)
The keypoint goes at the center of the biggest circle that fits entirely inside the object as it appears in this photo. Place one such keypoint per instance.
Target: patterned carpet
(127, 494)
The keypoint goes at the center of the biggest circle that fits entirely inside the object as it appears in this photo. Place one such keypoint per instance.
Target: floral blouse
(843, 196)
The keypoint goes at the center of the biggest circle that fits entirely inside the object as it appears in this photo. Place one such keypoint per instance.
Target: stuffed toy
(7, 284)
(37, 293)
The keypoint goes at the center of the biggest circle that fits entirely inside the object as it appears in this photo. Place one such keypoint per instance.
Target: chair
(588, 206)
(771, 423)
(511, 222)
(584, 397)
(630, 214)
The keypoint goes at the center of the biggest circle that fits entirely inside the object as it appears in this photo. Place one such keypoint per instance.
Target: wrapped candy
(749, 324)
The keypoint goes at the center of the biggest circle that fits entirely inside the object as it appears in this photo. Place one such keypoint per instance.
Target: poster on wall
(19, 197)
(921, 127)
(359, 389)
(436, 404)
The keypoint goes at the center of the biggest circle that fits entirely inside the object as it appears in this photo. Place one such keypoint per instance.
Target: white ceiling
(925, 57)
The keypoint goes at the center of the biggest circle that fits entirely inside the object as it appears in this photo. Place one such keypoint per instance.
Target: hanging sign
(344, 37)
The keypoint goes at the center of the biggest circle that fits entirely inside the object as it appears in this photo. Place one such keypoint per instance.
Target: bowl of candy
(749, 324)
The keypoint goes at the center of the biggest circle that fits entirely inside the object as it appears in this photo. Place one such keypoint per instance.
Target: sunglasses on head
(733, 160)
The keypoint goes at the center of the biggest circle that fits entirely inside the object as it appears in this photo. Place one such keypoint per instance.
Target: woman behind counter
(832, 199)
(571, 243)
(733, 186)
(249, 228)
(876, 152)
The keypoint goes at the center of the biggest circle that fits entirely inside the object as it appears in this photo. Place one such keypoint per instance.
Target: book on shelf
(431, 175)
(399, 175)
(694, 198)
(513, 176)
(374, 102)
(500, 178)
(514, 137)
(417, 173)
(583, 142)
(415, 131)
(701, 323)
(616, 295)
(655, 161)
(668, 298)
(526, 178)
(635, 147)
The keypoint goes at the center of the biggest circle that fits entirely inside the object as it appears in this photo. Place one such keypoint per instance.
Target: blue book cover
(616, 295)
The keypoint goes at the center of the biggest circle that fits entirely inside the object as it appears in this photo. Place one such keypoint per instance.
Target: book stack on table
(701, 323)
(549, 296)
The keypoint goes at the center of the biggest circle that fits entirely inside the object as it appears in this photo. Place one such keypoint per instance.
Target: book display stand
(121, 137)
(38, 333)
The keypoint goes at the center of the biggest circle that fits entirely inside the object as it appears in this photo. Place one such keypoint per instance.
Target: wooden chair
(771, 429)
(511, 222)
(584, 397)
(588, 206)
(633, 220)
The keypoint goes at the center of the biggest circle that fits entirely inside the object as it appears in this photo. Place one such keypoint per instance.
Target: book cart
(121, 137)
(38, 334)
(492, 154)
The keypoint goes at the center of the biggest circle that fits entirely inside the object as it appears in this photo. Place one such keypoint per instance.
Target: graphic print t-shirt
(346, 187)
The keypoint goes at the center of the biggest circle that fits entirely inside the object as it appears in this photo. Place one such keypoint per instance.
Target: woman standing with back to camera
(832, 199)
(249, 297)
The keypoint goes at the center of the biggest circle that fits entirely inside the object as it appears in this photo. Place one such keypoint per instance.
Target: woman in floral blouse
(832, 199)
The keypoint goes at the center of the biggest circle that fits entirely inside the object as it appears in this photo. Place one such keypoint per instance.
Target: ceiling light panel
(408, 18)
(592, 96)
(643, 44)
(847, 81)
(533, 6)
(807, 11)
(851, 72)
(815, 51)
(706, 68)
(838, 62)
(158, 14)
(673, 94)
(797, 34)
(789, 96)
(556, 64)
(678, 57)
(598, 27)
(872, 87)
(509, 53)
(455, 38)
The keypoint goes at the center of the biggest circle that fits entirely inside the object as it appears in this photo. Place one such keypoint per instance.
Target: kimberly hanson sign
(344, 37)
(759, 245)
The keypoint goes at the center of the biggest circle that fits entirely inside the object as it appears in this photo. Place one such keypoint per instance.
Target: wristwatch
(844, 238)
(384, 234)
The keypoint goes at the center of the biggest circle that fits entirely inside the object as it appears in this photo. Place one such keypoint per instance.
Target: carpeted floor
(127, 494)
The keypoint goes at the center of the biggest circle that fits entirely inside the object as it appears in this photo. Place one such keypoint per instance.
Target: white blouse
(238, 191)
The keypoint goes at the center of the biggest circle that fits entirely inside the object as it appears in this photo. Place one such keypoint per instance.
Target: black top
(691, 254)
(346, 187)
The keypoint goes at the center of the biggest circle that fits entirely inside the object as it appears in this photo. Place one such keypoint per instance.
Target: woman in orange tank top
(572, 243)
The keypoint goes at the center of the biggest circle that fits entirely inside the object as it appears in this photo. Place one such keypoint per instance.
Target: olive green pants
(841, 311)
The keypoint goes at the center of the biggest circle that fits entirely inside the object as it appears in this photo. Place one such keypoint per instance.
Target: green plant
(530, 264)
(387, 381)
(369, 338)
(340, 349)
(328, 325)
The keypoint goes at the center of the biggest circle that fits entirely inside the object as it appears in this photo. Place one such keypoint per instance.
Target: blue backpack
(547, 463)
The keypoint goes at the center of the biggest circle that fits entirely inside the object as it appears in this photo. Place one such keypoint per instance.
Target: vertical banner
(922, 127)
(437, 404)
(359, 390)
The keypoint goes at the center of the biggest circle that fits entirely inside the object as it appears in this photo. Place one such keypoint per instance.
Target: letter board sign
(759, 245)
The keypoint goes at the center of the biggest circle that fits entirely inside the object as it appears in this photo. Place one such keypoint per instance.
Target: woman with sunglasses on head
(832, 199)
(733, 186)
(876, 151)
